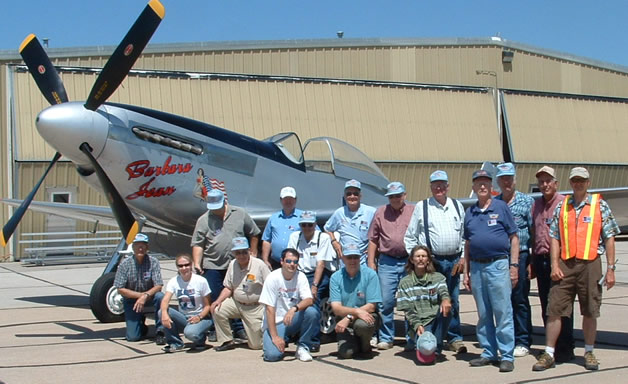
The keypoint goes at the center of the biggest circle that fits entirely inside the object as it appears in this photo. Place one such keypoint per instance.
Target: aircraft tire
(105, 301)
(328, 319)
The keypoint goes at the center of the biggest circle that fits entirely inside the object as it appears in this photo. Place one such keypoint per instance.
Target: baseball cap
(287, 192)
(140, 238)
(505, 169)
(545, 169)
(307, 217)
(482, 173)
(395, 188)
(579, 172)
(351, 249)
(215, 199)
(426, 348)
(353, 183)
(439, 176)
(239, 243)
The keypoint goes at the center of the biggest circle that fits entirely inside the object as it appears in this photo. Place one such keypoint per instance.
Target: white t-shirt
(310, 253)
(283, 294)
(189, 294)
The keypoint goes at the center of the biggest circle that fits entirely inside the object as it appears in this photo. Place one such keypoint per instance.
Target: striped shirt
(445, 225)
(420, 297)
(521, 209)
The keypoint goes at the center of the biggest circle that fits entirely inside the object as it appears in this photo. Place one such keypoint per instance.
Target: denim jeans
(215, 278)
(522, 314)
(438, 327)
(445, 266)
(304, 323)
(196, 333)
(390, 271)
(491, 288)
(323, 291)
(135, 327)
(543, 270)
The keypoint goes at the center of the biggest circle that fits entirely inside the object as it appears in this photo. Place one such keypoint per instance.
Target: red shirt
(389, 227)
(542, 214)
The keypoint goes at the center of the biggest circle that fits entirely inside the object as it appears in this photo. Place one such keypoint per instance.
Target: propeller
(111, 76)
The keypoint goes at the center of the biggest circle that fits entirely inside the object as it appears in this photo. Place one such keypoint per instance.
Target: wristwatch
(350, 317)
(612, 267)
(315, 285)
(514, 265)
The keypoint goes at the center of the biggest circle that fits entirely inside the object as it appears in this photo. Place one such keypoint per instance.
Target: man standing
(279, 227)
(354, 294)
(542, 215)
(386, 238)
(239, 298)
(520, 206)
(211, 242)
(138, 280)
(582, 230)
(438, 223)
(351, 221)
(492, 249)
(289, 312)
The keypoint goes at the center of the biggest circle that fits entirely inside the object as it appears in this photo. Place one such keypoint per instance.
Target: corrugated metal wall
(5, 185)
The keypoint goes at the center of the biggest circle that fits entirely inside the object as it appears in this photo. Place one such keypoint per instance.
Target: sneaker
(211, 336)
(374, 341)
(172, 348)
(590, 362)
(481, 362)
(457, 346)
(384, 345)
(303, 354)
(506, 366)
(241, 336)
(160, 338)
(521, 351)
(545, 361)
(199, 347)
(315, 348)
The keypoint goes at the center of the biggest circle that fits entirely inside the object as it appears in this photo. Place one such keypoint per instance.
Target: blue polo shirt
(353, 226)
(357, 291)
(489, 231)
(278, 230)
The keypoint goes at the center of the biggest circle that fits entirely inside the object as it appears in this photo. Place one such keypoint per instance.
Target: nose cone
(66, 126)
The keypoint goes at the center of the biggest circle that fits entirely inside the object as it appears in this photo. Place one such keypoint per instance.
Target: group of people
(367, 261)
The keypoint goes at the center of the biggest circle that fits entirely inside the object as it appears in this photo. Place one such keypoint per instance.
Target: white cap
(287, 192)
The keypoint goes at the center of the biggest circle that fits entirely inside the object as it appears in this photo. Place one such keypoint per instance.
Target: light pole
(483, 72)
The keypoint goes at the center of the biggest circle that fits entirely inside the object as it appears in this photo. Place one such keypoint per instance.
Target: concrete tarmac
(49, 335)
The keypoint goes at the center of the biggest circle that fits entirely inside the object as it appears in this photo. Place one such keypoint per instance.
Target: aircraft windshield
(289, 144)
(326, 154)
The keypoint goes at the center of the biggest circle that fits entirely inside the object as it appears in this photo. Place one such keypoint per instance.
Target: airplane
(156, 168)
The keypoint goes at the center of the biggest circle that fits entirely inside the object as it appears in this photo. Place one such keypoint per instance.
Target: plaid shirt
(139, 278)
(521, 208)
(609, 225)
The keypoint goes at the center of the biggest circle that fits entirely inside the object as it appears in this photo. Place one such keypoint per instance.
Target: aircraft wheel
(105, 301)
(328, 319)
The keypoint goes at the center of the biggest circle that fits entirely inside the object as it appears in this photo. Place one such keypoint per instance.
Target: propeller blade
(42, 70)
(126, 54)
(10, 226)
(127, 223)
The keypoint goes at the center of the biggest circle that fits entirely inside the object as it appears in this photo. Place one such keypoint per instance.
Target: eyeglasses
(307, 225)
(183, 265)
(290, 261)
(394, 196)
(352, 194)
(352, 257)
(241, 252)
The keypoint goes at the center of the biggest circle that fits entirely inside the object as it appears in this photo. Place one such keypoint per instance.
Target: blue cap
(140, 238)
(482, 173)
(426, 347)
(395, 188)
(351, 249)
(439, 176)
(307, 217)
(239, 243)
(353, 183)
(215, 199)
(505, 169)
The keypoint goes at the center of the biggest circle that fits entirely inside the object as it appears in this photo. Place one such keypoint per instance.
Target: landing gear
(105, 301)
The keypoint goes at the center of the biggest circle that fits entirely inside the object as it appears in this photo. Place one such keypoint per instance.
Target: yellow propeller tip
(27, 41)
(158, 8)
(135, 228)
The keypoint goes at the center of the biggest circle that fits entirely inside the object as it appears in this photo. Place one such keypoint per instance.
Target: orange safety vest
(580, 236)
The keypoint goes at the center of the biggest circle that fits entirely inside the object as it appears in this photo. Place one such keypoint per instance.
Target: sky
(595, 30)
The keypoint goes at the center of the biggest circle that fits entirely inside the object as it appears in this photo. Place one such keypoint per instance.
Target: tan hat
(579, 172)
(549, 170)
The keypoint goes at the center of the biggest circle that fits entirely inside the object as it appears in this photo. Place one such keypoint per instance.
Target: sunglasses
(352, 193)
(394, 196)
(291, 261)
(183, 265)
(351, 257)
(307, 225)
(241, 252)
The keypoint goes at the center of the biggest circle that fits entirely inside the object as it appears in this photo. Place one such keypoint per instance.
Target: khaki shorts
(581, 278)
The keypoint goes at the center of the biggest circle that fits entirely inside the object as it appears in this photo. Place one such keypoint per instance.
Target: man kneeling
(289, 310)
(355, 294)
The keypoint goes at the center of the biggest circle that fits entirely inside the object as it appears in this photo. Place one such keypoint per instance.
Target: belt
(448, 257)
(241, 303)
(404, 256)
(542, 255)
(487, 260)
